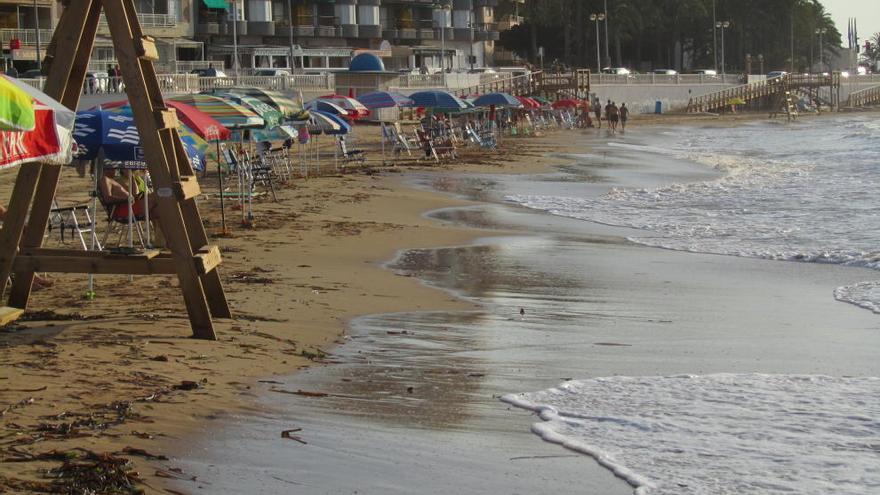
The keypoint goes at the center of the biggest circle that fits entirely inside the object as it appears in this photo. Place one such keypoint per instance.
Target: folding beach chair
(76, 219)
(349, 155)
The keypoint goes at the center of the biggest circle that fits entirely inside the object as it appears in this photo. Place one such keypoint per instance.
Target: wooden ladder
(190, 257)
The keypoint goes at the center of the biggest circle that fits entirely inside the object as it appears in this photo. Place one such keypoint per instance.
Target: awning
(217, 4)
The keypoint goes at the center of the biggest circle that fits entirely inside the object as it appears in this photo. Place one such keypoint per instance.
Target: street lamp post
(722, 25)
(442, 24)
(607, 56)
(596, 18)
(761, 62)
(290, 33)
(821, 32)
(37, 33)
(235, 37)
(714, 37)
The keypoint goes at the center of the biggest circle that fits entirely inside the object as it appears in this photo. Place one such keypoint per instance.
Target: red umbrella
(49, 142)
(528, 103)
(201, 123)
(567, 103)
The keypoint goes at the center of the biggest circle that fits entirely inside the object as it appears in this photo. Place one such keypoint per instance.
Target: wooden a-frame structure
(190, 257)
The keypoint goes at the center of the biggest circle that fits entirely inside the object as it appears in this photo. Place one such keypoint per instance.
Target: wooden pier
(863, 98)
(821, 90)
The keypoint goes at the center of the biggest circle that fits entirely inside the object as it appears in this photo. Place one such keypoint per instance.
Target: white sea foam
(805, 192)
(721, 434)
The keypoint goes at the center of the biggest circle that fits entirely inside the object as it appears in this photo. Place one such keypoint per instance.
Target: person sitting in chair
(115, 194)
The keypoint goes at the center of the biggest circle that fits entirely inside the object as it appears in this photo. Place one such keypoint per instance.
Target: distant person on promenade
(624, 116)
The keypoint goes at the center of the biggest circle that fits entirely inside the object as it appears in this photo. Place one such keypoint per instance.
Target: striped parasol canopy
(281, 133)
(16, 107)
(227, 112)
(385, 99)
(271, 116)
(328, 107)
(356, 109)
(290, 109)
(528, 103)
(195, 120)
(567, 103)
(323, 122)
(540, 99)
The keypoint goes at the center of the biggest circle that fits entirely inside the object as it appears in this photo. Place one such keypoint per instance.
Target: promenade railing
(864, 97)
(192, 83)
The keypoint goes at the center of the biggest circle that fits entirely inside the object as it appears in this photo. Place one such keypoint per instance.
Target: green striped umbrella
(227, 112)
(16, 107)
(270, 114)
(289, 108)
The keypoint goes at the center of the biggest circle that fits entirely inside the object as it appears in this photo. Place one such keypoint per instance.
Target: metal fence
(192, 83)
(688, 79)
(27, 36)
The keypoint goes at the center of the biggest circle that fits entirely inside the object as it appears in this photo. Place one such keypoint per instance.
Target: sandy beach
(403, 330)
(108, 376)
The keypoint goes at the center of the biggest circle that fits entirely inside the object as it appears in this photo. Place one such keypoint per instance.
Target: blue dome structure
(366, 62)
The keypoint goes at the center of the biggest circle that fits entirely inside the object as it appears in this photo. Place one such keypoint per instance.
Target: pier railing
(746, 93)
(864, 97)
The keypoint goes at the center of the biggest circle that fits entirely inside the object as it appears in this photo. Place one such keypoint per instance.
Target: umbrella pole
(222, 202)
(90, 293)
(147, 208)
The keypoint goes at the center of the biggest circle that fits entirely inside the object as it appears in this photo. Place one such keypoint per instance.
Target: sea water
(723, 433)
(801, 192)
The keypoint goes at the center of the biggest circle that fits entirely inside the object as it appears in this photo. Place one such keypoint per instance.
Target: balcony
(261, 28)
(463, 34)
(27, 36)
(148, 20)
(407, 33)
(325, 31)
(369, 31)
(349, 30)
(304, 31)
(426, 34)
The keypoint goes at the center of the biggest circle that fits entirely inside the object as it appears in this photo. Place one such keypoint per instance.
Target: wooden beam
(187, 188)
(121, 265)
(16, 215)
(207, 259)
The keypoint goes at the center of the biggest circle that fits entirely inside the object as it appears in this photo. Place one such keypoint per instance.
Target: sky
(866, 11)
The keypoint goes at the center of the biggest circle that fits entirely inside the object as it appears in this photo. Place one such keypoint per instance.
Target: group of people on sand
(613, 114)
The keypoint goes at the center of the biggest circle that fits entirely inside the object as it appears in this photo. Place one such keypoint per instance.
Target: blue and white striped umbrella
(437, 99)
(385, 99)
(117, 135)
(327, 123)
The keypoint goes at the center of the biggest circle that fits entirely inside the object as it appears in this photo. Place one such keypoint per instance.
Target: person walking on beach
(597, 109)
(624, 116)
(613, 115)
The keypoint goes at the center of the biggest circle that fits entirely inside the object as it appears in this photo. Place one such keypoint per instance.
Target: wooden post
(191, 258)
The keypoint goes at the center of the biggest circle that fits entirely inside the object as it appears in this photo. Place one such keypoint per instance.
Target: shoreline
(340, 230)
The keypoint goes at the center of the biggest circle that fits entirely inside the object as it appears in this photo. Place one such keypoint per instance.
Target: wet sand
(411, 398)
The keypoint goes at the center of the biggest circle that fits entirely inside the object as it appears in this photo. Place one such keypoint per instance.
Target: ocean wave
(722, 433)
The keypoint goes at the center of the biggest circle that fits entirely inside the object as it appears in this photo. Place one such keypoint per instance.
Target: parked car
(664, 72)
(209, 72)
(272, 72)
(776, 73)
(619, 71)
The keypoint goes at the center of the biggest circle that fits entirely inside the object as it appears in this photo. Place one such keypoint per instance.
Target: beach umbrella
(327, 107)
(198, 122)
(437, 99)
(566, 103)
(16, 106)
(281, 133)
(116, 134)
(49, 141)
(356, 109)
(227, 112)
(270, 115)
(528, 103)
(290, 109)
(540, 99)
(344, 127)
(497, 100)
(385, 99)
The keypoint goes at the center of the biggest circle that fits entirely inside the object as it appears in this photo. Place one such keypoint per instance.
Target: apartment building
(415, 34)
(171, 22)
